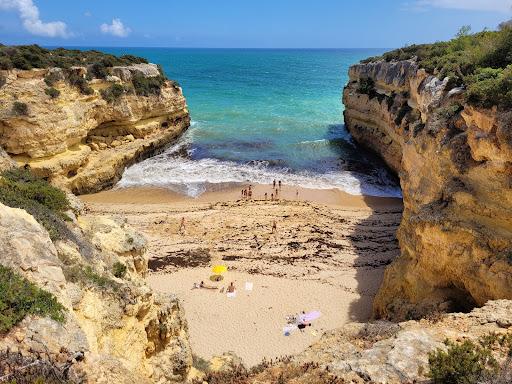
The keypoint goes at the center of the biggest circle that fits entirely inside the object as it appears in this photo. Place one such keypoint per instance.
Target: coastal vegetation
(19, 298)
(19, 188)
(52, 92)
(114, 92)
(480, 62)
(471, 362)
(34, 56)
(146, 86)
(19, 108)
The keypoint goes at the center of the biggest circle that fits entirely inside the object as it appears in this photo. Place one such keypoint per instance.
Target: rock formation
(455, 168)
(391, 353)
(123, 332)
(82, 142)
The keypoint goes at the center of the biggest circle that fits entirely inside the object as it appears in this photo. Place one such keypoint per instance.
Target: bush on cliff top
(482, 62)
(113, 93)
(19, 298)
(21, 189)
(471, 362)
(146, 86)
(34, 56)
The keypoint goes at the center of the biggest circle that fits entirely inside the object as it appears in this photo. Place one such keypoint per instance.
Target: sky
(244, 23)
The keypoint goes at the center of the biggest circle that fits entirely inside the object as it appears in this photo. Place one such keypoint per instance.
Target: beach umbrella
(219, 269)
(310, 316)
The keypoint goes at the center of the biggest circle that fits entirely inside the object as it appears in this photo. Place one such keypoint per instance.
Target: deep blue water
(259, 115)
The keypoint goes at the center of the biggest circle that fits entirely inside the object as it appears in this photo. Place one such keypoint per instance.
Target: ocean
(259, 115)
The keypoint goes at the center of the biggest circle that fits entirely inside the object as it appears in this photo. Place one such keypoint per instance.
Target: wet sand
(328, 254)
(152, 195)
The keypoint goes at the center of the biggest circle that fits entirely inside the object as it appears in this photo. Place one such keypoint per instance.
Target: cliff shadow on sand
(373, 238)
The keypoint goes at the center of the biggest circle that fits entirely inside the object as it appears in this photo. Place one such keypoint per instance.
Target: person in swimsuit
(182, 226)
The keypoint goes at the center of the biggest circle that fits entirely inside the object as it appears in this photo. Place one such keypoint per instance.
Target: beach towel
(289, 329)
(231, 294)
(248, 286)
(310, 316)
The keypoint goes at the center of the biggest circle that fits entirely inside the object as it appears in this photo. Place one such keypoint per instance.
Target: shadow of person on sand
(373, 238)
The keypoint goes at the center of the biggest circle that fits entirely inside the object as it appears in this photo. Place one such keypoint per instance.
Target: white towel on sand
(231, 294)
(248, 286)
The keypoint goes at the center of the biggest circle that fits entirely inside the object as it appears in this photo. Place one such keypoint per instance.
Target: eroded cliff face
(455, 168)
(116, 330)
(82, 142)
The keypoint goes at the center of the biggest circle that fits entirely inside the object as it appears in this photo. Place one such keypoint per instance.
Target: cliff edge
(454, 161)
(81, 125)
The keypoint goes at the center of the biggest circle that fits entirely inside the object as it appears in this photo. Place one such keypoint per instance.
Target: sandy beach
(328, 254)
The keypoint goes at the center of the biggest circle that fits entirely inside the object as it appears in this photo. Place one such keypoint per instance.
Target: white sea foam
(192, 177)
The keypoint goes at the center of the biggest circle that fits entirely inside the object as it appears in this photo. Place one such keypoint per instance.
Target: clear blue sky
(244, 23)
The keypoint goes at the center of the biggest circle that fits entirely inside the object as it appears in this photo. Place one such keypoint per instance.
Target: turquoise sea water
(259, 115)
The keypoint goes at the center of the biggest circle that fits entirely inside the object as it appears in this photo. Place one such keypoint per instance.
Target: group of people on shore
(274, 195)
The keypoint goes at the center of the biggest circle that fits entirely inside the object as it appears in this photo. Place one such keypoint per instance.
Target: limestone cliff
(455, 168)
(83, 142)
(116, 330)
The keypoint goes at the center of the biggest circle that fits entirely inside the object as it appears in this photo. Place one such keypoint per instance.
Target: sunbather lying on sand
(203, 285)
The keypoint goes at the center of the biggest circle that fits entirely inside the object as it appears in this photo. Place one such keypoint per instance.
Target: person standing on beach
(272, 196)
(297, 194)
(279, 184)
(250, 193)
(274, 183)
(274, 227)
(277, 198)
(182, 226)
(266, 196)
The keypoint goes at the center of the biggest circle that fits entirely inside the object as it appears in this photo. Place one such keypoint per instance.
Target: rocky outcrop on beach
(81, 140)
(391, 353)
(455, 167)
(116, 330)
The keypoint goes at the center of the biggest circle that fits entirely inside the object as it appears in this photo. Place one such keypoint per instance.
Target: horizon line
(171, 47)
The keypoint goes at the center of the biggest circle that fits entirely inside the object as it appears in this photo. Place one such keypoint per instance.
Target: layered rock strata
(82, 142)
(120, 329)
(455, 168)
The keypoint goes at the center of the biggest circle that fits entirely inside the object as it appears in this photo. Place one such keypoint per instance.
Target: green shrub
(19, 298)
(119, 269)
(146, 86)
(113, 93)
(462, 363)
(86, 276)
(98, 70)
(20, 189)
(33, 56)
(6, 63)
(79, 82)
(52, 92)
(481, 62)
(19, 109)
(51, 78)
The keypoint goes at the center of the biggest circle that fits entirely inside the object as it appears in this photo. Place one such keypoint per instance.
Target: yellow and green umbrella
(219, 269)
